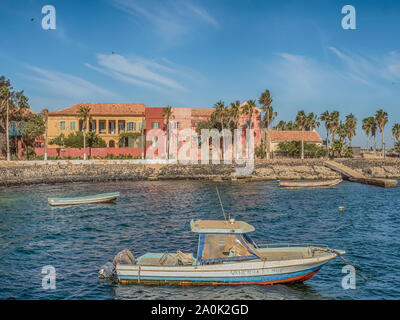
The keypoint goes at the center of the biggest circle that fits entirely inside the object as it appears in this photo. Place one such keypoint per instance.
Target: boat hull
(100, 198)
(241, 273)
(293, 184)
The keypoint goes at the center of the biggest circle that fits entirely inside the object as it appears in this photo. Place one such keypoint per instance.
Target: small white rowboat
(293, 184)
(98, 198)
(227, 256)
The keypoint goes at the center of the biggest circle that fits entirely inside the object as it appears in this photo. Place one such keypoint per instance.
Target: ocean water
(155, 216)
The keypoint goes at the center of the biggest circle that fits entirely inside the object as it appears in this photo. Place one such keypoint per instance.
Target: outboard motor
(123, 257)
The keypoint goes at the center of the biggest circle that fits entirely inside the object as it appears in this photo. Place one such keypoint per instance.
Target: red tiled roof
(293, 135)
(105, 109)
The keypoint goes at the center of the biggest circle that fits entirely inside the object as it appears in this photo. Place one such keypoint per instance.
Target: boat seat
(185, 258)
(167, 259)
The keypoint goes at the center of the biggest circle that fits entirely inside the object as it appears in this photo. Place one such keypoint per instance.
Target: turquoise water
(155, 216)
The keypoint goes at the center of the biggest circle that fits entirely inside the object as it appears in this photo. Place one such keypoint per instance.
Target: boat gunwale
(99, 196)
(211, 267)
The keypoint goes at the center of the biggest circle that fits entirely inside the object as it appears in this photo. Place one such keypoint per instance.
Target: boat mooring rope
(347, 262)
(220, 202)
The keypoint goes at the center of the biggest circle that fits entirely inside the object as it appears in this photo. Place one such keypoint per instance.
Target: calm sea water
(155, 216)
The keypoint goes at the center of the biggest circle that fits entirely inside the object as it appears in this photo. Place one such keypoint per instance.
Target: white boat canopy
(220, 226)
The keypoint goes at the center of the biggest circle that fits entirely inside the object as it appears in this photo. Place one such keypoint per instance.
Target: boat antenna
(220, 202)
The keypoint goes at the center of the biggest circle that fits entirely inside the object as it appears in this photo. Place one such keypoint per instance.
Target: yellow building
(108, 120)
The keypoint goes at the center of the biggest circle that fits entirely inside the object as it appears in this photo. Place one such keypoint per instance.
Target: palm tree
(381, 119)
(220, 113)
(234, 113)
(302, 121)
(334, 123)
(281, 125)
(327, 119)
(249, 108)
(351, 123)
(45, 113)
(265, 101)
(312, 121)
(5, 93)
(366, 126)
(84, 116)
(290, 126)
(373, 125)
(396, 131)
(342, 132)
(167, 115)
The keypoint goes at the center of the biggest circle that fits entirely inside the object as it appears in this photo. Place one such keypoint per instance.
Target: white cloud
(139, 71)
(170, 19)
(67, 85)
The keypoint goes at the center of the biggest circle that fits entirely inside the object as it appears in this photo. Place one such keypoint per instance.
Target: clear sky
(191, 53)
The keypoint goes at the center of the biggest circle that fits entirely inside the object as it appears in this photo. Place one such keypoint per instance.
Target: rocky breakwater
(388, 168)
(30, 172)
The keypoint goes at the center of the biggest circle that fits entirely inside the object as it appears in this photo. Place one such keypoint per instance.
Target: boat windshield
(214, 248)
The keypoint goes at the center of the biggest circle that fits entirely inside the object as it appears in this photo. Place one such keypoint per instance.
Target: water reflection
(155, 216)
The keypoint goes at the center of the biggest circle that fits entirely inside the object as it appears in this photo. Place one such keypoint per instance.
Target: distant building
(274, 137)
(14, 129)
(108, 120)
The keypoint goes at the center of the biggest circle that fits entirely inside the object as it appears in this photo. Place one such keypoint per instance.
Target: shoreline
(63, 171)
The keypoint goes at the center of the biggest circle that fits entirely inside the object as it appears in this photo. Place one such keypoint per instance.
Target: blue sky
(188, 53)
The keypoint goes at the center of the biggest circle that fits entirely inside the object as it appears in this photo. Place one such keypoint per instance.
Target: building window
(121, 126)
(92, 126)
(155, 125)
(131, 126)
(102, 126)
(111, 126)
(62, 125)
(72, 125)
(140, 126)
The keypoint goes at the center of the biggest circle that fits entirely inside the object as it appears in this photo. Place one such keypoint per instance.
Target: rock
(124, 257)
(107, 271)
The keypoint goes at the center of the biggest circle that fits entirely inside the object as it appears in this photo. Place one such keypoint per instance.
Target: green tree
(397, 146)
(248, 109)
(220, 113)
(312, 121)
(265, 101)
(234, 114)
(32, 130)
(342, 132)
(334, 123)
(302, 122)
(290, 125)
(326, 117)
(367, 127)
(381, 118)
(45, 115)
(396, 131)
(351, 123)
(167, 115)
(84, 116)
(77, 140)
(12, 106)
(281, 125)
